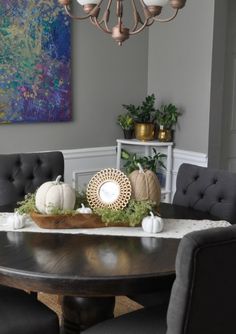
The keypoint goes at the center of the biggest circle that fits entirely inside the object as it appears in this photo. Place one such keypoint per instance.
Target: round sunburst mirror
(109, 188)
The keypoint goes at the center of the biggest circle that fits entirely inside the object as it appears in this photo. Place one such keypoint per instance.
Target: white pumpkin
(152, 224)
(17, 221)
(54, 194)
(84, 209)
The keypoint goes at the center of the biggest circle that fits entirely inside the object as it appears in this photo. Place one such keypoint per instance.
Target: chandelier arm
(137, 18)
(168, 19)
(150, 23)
(95, 21)
(106, 16)
(145, 24)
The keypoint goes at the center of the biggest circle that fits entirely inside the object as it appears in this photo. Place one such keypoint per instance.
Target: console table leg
(80, 313)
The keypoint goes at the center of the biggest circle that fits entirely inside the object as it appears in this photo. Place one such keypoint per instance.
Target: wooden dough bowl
(78, 220)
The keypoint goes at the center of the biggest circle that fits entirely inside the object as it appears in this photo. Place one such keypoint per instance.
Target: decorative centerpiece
(107, 201)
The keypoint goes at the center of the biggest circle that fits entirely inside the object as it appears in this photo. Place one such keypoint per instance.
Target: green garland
(131, 215)
(27, 205)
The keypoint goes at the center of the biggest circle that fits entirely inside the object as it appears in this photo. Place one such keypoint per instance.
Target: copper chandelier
(151, 10)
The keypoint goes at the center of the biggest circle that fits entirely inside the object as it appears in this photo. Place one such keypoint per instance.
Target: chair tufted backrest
(203, 295)
(205, 189)
(23, 173)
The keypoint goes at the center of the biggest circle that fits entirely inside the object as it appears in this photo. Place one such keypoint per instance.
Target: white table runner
(173, 228)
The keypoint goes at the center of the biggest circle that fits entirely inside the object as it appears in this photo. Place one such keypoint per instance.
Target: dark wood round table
(84, 265)
(88, 265)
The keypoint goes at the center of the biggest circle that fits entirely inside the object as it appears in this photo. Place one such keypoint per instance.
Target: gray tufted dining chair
(21, 312)
(23, 173)
(203, 294)
(203, 189)
(207, 189)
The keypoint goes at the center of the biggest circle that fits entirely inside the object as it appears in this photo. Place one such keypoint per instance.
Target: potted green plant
(152, 162)
(144, 117)
(167, 117)
(127, 124)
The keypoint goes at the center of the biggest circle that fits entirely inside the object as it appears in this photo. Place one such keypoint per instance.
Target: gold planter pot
(164, 135)
(144, 131)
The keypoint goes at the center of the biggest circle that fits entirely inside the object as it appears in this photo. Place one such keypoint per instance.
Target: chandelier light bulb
(88, 5)
(143, 15)
(87, 2)
(155, 6)
(160, 3)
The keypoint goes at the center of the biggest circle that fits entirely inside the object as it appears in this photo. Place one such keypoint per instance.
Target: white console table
(147, 147)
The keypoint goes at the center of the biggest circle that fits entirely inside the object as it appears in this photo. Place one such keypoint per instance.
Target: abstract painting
(35, 53)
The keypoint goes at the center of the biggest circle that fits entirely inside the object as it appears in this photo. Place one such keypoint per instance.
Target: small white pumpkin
(84, 209)
(17, 221)
(152, 224)
(54, 194)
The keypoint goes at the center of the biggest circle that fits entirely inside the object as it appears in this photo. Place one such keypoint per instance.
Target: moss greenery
(131, 215)
(27, 205)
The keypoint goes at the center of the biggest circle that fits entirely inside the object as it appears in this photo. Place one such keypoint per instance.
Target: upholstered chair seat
(203, 294)
(202, 189)
(21, 313)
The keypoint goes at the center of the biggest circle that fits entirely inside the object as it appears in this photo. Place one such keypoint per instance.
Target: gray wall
(180, 65)
(173, 60)
(104, 77)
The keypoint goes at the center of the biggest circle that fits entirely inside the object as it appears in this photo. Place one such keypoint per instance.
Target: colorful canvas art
(34, 62)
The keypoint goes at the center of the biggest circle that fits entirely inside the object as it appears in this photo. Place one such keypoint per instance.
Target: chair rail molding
(81, 164)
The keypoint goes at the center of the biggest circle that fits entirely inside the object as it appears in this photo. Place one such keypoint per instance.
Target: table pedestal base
(80, 313)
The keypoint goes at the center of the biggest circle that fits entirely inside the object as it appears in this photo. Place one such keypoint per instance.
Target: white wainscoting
(82, 164)
(190, 157)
